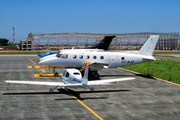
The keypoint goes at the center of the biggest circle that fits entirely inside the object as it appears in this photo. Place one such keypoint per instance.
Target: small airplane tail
(148, 47)
(104, 44)
(85, 78)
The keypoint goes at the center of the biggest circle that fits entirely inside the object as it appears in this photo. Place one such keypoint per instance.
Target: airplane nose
(44, 62)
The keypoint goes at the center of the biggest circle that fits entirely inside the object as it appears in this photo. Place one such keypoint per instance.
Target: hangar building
(128, 41)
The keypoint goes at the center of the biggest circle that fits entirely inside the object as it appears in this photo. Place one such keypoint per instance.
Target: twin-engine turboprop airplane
(99, 60)
(73, 78)
(103, 45)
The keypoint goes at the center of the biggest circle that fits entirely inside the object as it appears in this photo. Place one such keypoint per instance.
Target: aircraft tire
(56, 74)
(51, 90)
(96, 75)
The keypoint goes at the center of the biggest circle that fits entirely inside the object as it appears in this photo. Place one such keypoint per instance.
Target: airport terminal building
(129, 41)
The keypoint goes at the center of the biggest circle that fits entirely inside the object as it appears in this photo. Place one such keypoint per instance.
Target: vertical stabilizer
(85, 78)
(149, 45)
(104, 44)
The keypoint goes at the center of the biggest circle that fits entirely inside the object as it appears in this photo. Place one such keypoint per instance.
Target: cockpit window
(64, 56)
(76, 73)
(67, 74)
(64, 73)
(58, 55)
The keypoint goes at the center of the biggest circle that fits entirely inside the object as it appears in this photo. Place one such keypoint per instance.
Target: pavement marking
(85, 105)
(37, 67)
(43, 71)
(45, 75)
(32, 61)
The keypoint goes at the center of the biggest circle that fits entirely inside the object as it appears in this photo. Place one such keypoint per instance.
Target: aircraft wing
(37, 83)
(108, 81)
(94, 66)
(61, 84)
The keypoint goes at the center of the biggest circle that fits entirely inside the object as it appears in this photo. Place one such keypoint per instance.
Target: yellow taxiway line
(32, 61)
(44, 75)
(85, 105)
(43, 71)
(37, 67)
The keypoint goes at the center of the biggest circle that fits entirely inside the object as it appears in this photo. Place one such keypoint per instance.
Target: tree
(3, 42)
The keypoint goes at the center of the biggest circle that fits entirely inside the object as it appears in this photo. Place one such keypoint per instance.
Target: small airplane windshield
(76, 73)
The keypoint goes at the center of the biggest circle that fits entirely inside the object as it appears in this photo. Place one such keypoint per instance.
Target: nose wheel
(55, 73)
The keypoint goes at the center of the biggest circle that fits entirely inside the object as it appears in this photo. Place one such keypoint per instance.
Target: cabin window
(64, 56)
(67, 74)
(122, 58)
(81, 56)
(94, 57)
(102, 57)
(76, 73)
(74, 56)
(87, 57)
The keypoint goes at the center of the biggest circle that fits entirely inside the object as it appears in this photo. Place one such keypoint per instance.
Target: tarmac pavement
(139, 99)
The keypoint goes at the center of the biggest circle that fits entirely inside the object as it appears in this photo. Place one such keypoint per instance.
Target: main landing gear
(55, 73)
(91, 88)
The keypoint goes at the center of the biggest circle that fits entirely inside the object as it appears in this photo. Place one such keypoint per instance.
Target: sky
(87, 16)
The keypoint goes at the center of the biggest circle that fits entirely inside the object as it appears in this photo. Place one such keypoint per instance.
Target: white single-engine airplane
(73, 78)
(99, 60)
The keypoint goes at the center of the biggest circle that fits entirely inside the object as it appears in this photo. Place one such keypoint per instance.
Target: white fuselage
(76, 59)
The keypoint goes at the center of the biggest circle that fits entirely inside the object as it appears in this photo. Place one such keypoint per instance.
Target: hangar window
(64, 56)
(67, 74)
(81, 56)
(87, 57)
(74, 56)
(94, 57)
(102, 57)
(122, 58)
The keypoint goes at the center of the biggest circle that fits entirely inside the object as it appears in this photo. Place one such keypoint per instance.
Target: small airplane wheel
(51, 90)
(92, 89)
(96, 75)
(55, 74)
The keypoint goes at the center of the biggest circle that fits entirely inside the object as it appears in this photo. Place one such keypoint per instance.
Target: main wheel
(92, 89)
(56, 74)
(96, 75)
(51, 90)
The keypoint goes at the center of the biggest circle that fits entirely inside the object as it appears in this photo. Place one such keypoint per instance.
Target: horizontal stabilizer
(148, 58)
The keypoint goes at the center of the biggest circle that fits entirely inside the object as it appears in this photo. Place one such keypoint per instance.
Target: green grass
(166, 56)
(164, 69)
(166, 52)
